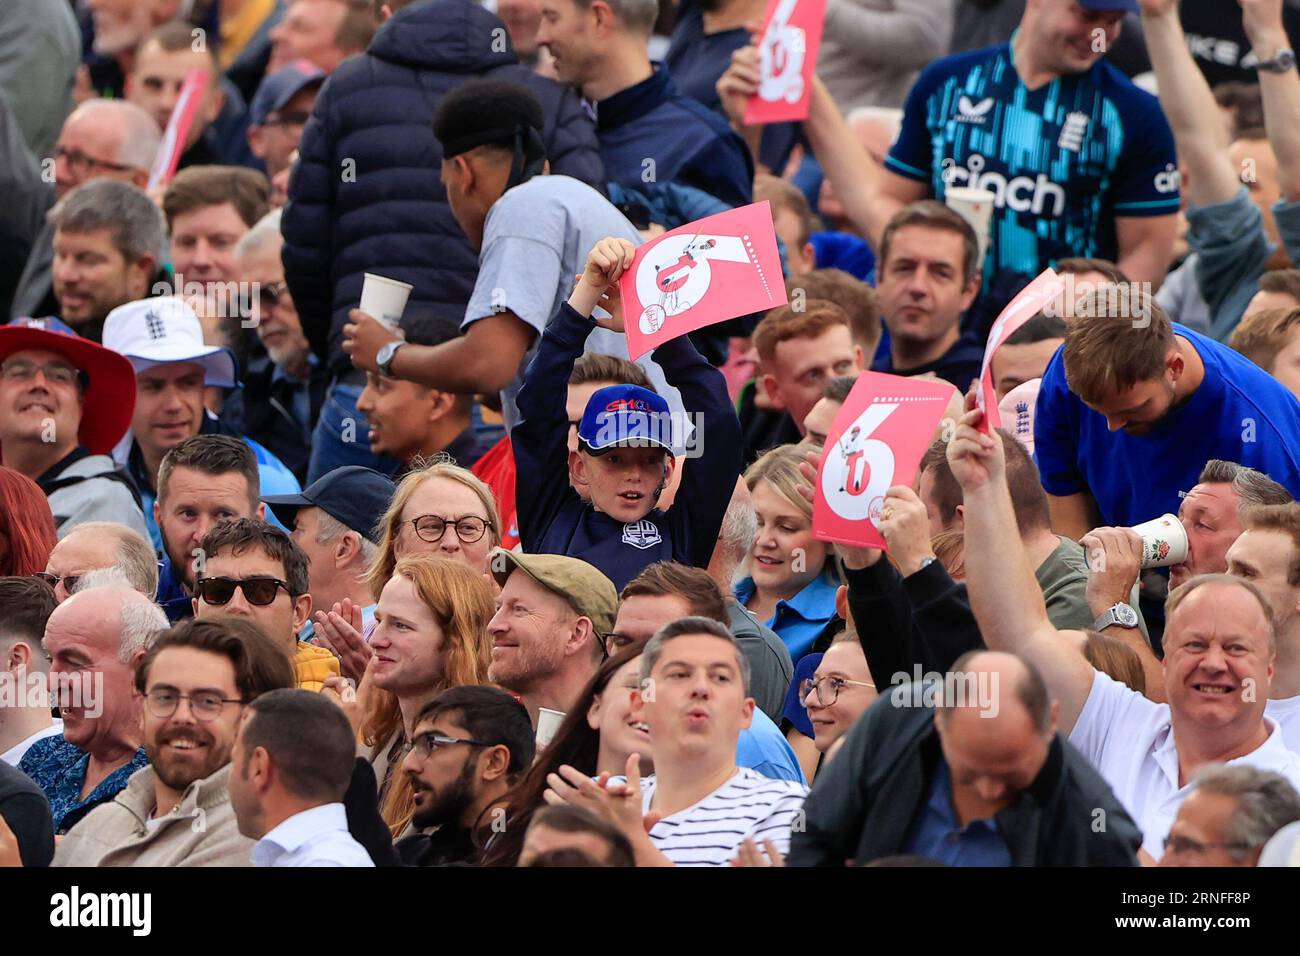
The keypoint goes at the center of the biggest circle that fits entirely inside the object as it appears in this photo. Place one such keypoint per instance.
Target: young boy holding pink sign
(627, 439)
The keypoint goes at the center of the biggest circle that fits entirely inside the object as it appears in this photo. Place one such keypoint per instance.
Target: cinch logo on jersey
(1020, 193)
(1170, 181)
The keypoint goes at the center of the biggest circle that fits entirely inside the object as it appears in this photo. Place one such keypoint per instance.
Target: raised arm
(870, 195)
(911, 34)
(1190, 107)
(1280, 91)
(1004, 595)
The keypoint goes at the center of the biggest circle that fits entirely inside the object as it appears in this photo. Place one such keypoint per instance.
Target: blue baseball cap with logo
(622, 416)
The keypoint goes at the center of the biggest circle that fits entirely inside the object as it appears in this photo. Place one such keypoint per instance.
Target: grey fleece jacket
(95, 499)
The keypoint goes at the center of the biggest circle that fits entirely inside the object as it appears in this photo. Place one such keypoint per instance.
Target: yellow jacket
(313, 665)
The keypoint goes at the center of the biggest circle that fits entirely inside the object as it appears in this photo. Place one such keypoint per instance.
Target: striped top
(709, 832)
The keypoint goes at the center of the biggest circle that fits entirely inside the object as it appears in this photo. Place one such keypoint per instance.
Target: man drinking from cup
(1210, 516)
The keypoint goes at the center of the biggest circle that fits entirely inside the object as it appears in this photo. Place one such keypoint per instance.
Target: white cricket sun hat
(164, 330)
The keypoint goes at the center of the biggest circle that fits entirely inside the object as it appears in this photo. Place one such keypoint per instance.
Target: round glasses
(827, 688)
(204, 705)
(431, 528)
(259, 591)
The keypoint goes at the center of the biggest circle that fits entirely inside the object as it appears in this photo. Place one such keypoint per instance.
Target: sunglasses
(69, 580)
(258, 591)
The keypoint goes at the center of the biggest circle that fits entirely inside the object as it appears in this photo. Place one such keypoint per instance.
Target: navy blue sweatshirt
(688, 143)
(553, 519)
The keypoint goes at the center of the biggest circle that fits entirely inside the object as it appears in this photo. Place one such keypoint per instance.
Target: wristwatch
(384, 360)
(1120, 614)
(1283, 61)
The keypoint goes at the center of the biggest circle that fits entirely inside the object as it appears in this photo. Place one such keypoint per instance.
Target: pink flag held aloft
(878, 439)
(1045, 290)
(787, 56)
(178, 127)
(708, 271)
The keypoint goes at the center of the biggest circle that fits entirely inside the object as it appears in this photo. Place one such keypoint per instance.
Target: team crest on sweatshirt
(641, 534)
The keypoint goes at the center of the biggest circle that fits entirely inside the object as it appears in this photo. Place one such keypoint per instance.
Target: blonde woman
(430, 634)
(438, 508)
(792, 576)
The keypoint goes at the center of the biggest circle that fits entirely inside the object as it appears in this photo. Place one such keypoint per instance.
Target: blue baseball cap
(618, 416)
(355, 496)
(1109, 6)
(276, 90)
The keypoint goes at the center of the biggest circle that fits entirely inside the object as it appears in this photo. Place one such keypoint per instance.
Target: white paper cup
(1164, 541)
(976, 207)
(548, 722)
(384, 298)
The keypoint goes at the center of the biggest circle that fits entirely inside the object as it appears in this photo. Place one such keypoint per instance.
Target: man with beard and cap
(196, 681)
(471, 744)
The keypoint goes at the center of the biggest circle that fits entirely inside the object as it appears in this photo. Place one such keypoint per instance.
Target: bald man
(967, 769)
(94, 640)
(96, 546)
(100, 139)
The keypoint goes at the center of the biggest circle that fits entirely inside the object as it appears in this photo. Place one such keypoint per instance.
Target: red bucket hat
(109, 399)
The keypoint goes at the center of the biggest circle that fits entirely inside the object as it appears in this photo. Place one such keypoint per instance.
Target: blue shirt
(301, 390)
(172, 596)
(792, 710)
(764, 749)
(938, 835)
(800, 620)
(841, 250)
(59, 769)
(1239, 413)
(1063, 160)
(683, 142)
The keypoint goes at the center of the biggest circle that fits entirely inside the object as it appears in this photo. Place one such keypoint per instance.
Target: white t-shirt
(708, 833)
(1286, 713)
(1130, 740)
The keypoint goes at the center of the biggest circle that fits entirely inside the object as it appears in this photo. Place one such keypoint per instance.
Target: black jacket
(920, 621)
(25, 810)
(367, 193)
(263, 410)
(864, 803)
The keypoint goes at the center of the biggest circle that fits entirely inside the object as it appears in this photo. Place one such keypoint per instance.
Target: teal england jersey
(1063, 161)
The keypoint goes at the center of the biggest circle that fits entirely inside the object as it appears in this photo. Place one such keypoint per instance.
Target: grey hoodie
(95, 498)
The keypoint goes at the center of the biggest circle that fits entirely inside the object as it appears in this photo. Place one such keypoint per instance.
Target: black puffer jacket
(367, 195)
